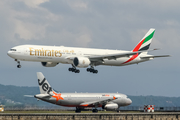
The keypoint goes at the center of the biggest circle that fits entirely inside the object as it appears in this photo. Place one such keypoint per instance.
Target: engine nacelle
(49, 64)
(111, 106)
(81, 62)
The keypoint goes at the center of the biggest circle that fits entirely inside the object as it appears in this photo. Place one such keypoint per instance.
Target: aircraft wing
(96, 58)
(147, 57)
(112, 56)
(98, 102)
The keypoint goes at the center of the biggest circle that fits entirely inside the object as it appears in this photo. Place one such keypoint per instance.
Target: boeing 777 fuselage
(50, 56)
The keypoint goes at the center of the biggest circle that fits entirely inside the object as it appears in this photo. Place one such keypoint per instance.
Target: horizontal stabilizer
(42, 95)
(28, 95)
(153, 49)
(155, 56)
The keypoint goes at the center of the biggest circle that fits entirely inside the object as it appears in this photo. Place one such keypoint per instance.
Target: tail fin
(44, 86)
(145, 43)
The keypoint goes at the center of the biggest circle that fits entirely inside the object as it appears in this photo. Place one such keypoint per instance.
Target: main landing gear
(95, 110)
(78, 110)
(73, 69)
(19, 65)
(92, 70)
(118, 111)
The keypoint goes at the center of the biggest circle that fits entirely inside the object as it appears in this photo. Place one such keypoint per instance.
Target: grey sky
(109, 24)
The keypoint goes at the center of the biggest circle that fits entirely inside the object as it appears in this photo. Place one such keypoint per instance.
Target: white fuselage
(63, 54)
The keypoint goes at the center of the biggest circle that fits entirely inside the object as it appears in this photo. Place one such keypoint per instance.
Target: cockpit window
(12, 49)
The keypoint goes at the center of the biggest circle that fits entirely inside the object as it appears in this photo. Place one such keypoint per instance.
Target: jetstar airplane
(108, 101)
(50, 56)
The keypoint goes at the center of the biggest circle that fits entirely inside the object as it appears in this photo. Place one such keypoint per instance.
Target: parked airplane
(50, 56)
(108, 101)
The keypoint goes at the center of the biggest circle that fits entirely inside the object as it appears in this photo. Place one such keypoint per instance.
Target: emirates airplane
(108, 101)
(50, 56)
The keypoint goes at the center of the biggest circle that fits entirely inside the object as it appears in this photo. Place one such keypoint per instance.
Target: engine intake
(81, 62)
(49, 64)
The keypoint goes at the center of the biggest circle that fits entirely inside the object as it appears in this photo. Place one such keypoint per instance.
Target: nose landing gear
(19, 65)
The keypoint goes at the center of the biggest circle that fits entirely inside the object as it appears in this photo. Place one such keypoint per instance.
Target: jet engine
(81, 62)
(111, 106)
(49, 64)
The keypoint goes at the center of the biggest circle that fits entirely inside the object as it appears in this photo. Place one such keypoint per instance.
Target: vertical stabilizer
(44, 86)
(145, 43)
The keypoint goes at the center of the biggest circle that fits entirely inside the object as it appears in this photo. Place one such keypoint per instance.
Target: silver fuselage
(75, 99)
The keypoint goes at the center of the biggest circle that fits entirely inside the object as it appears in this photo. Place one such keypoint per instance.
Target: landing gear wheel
(78, 110)
(118, 111)
(77, 71)
(95, 71)
(95, 110)
(73, 69)
(18, 66)
(92, 70)
(70, 69)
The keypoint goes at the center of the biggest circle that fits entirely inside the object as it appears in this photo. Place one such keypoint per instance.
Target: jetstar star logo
(57, 96)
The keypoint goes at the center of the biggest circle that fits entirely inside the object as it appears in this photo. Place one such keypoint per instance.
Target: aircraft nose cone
(128, 101)
(8, 53)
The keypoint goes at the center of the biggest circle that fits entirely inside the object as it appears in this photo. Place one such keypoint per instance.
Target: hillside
(14, 96)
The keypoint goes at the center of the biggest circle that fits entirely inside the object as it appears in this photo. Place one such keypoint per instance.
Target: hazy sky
(108, 24)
